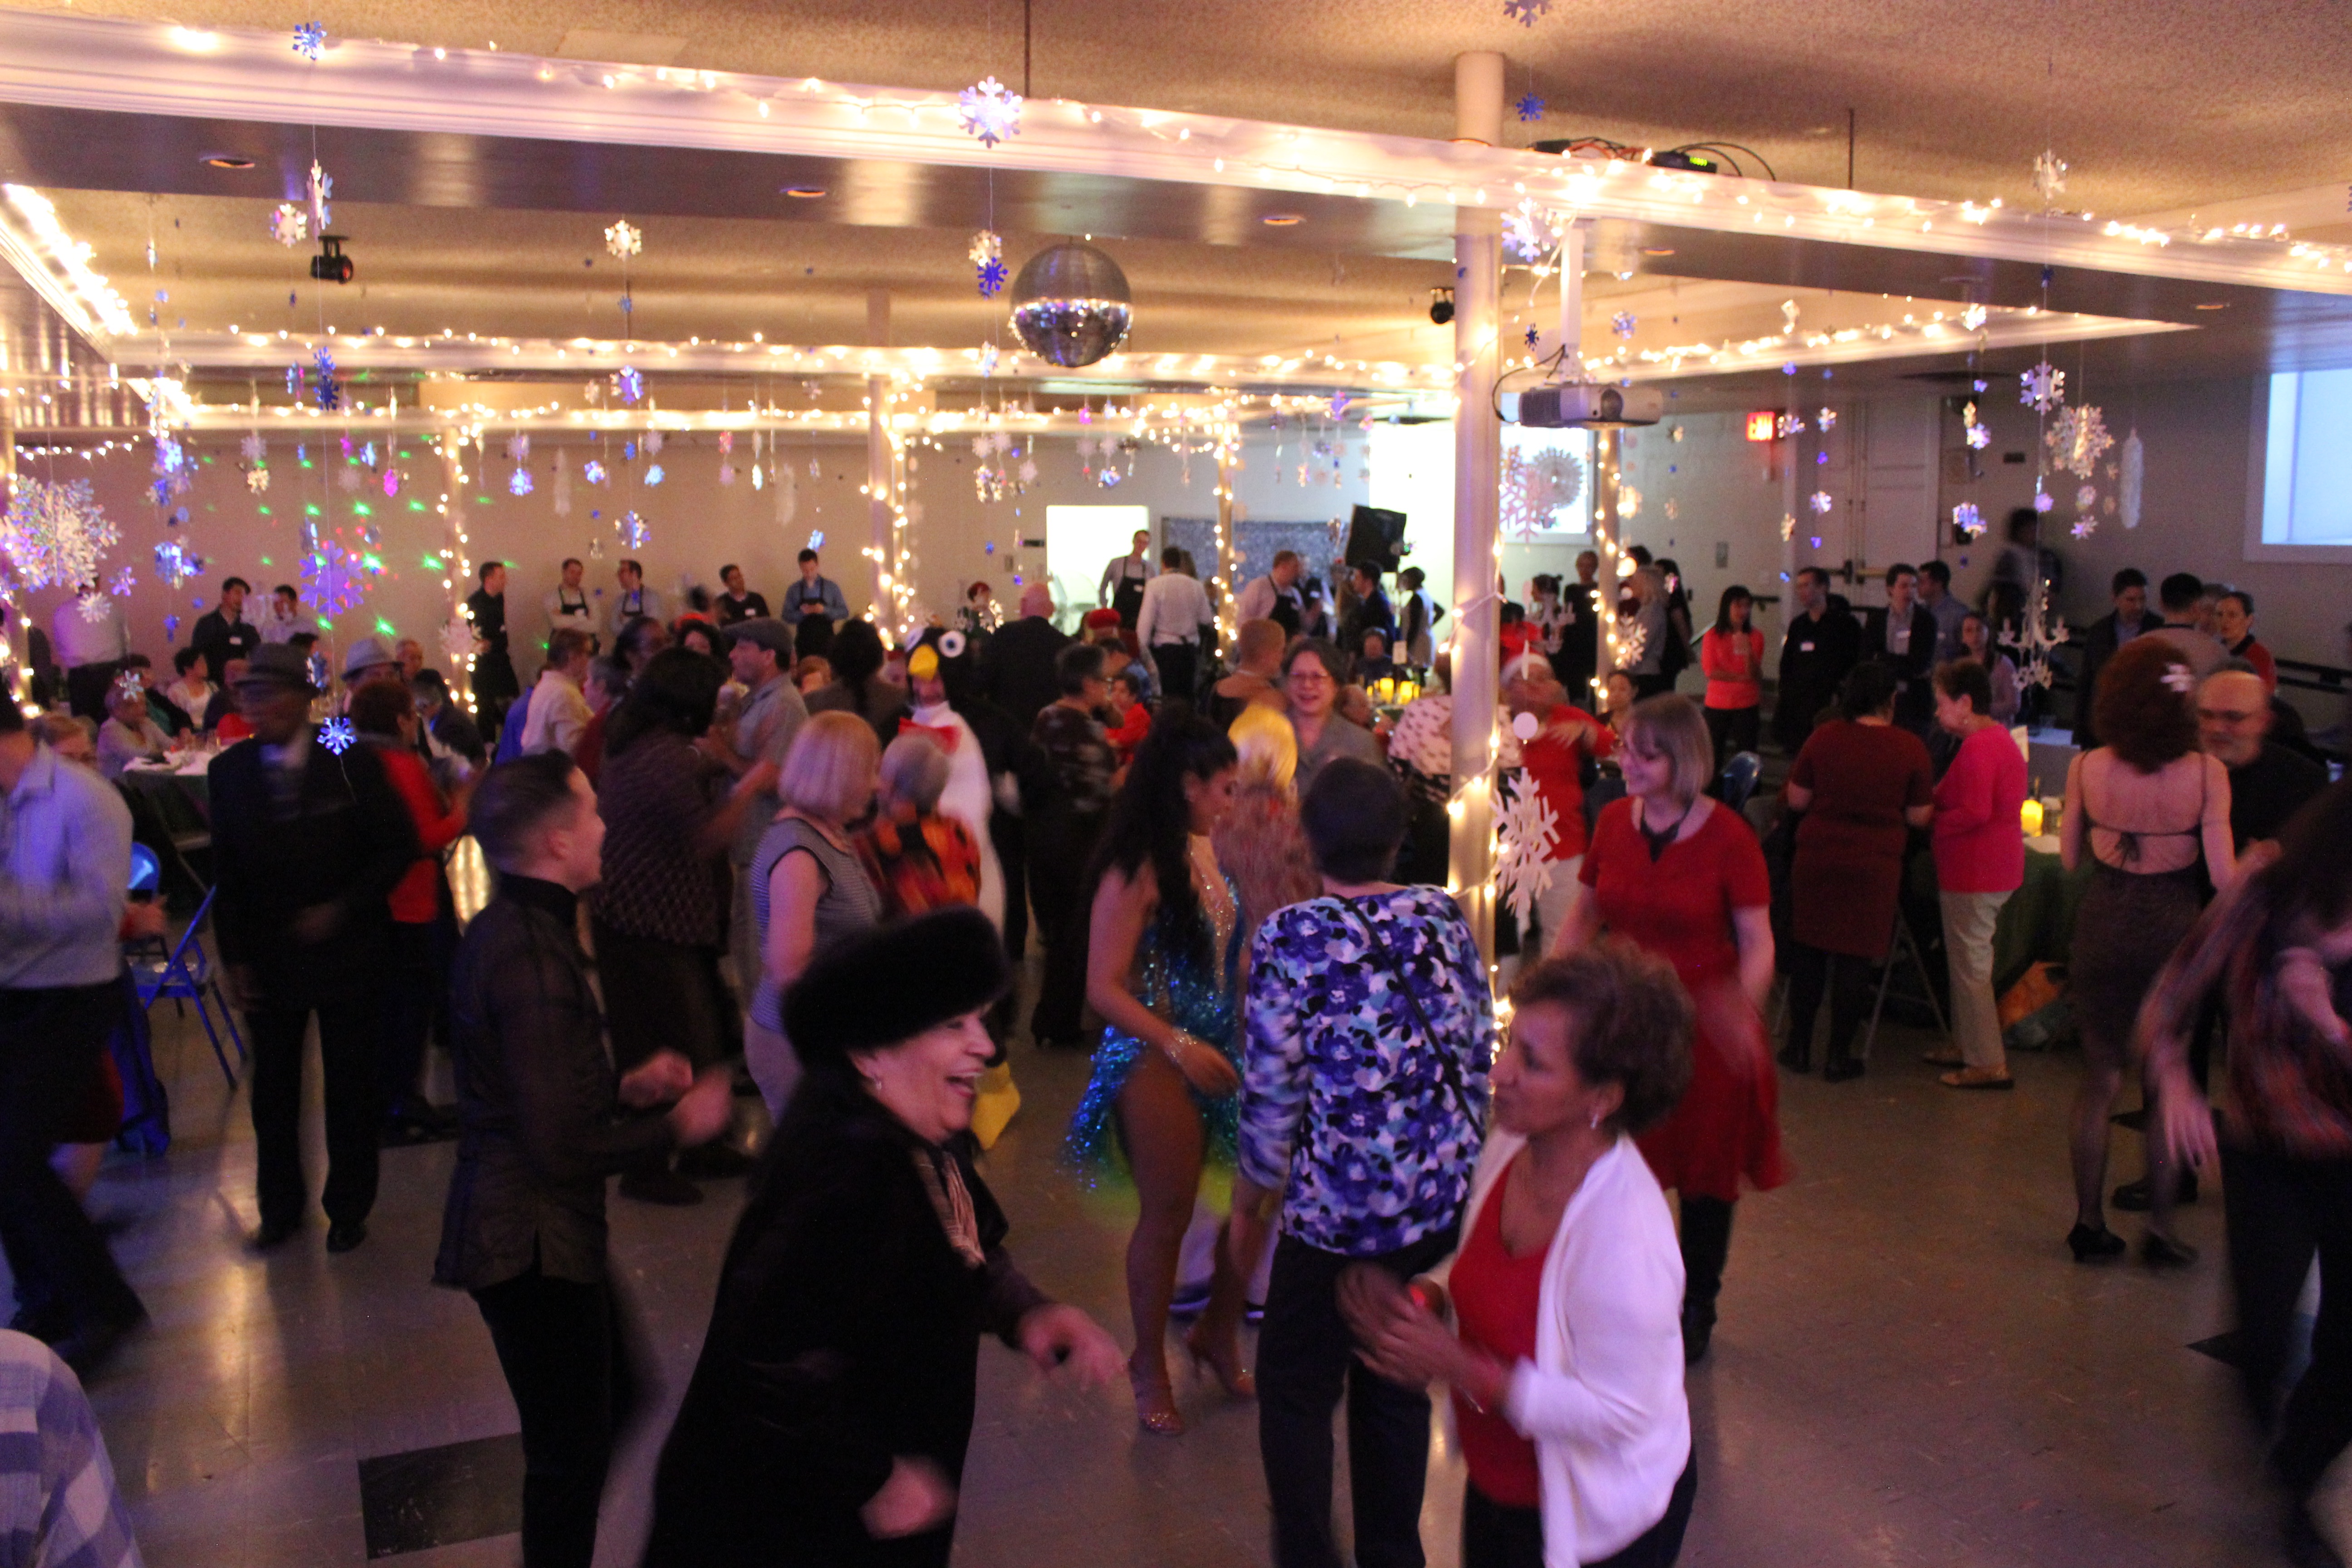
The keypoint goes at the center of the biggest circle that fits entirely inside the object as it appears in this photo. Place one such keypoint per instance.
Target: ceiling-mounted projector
(1584, 407)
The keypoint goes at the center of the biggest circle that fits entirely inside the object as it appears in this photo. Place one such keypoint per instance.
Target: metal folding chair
(186, 973)
(1903, 946)
(1738, 779)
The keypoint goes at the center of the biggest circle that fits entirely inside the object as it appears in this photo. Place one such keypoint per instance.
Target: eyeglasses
(1303, 677)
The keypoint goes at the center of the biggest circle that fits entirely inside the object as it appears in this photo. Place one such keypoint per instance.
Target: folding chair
(1738, 779)
(1904, 945)
(186, 973)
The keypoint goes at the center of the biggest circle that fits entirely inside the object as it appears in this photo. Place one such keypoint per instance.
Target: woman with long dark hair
(1732, 655)
(1163, 969)
(2152, 813)
(857, 687)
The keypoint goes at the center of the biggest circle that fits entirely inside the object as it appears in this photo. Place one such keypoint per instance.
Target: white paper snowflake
(1819, 502)
(1969, 520)
(1532, 231)
(625, 240)
(519, 447)
(1624, 324)
(593, 471)
(457, 640)
(2042, 388)
(2078, 438)
(1979, 436)
(1632, 642)
(653, 443)
(321, 192)
(518, 483)
(2086, 496)
(1974, 317)
(988, 112)
(253, 449)
(257, 478)
(288, 224)
(987, 245)
(56, 533)
(1525, 831)
(2135, 475)
(1826, 420)
(2049, 175)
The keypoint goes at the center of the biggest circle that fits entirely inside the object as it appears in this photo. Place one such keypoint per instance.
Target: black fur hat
(893, 983)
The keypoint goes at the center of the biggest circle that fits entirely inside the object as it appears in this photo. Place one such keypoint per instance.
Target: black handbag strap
(1449, 1070)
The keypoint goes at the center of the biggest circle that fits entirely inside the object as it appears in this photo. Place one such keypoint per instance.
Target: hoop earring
(1596, 1121)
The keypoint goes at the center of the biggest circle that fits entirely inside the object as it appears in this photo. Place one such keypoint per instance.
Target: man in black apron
(1121, 587)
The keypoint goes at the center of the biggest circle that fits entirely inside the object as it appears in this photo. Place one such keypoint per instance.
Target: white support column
(1477, 474)
(881, 540)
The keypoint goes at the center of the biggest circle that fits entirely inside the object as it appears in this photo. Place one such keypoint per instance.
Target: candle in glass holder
(2031, 814)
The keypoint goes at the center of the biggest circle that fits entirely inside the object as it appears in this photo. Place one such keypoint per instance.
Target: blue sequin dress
(1203, 1000)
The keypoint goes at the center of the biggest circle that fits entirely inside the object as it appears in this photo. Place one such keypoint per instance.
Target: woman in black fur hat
(827, 1420)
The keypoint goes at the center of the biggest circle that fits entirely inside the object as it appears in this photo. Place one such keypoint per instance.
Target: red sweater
(416, 900)
(1555, 761)
(1980, 840)
(1732, 681)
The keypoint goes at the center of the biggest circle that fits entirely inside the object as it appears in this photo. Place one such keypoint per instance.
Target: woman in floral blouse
(1367, 1032)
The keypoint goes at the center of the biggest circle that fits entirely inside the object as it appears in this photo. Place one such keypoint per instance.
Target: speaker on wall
(1376, 535)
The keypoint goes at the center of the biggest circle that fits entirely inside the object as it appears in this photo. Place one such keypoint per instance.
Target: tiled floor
(1909, 1370)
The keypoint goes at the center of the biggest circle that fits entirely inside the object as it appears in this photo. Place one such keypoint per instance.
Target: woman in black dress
(827, 1420)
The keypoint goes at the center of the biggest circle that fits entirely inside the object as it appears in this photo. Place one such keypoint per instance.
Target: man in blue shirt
(65, 861)
(815, 593)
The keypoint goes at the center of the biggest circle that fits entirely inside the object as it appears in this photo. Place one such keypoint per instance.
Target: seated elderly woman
(827, 1421)
(1565, 1351)
(129, 734)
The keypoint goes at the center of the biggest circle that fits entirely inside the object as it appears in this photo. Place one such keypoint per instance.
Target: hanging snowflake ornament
(518, 483)
(2078, 439)
(288, 224)
(654, 474)
(2085, 497)
(253, 449)
(2043, 499)
(1820, 502)
(630, 382)
(1788, 526)
(593, 471)
(1623, 323)
(322, 191)
(2042, 388)
(726, 473)
(1525, 831)
(122, 583)
(56, 533)
(988, 359)
(309, 40)
(633, 531)
(1969, 520)
(327, 391)
(2049, 175)
(1826, 420)
(990, 278)
(338, 736)
(1531, 230)
(518, 448)
(174, 565)
(990, 112)
(1529, 108)
(1526, 12)
(1979, 436)
(1534, 339)
(625, 240)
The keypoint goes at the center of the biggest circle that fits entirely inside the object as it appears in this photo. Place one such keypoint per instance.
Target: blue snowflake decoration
(992, 113)
(169, 456)
(293, 380)
(628, 451)
(1530, 108)
(328, 390)
(1526, 12)
(1623, 323)
(653, 475)
(1969, 520)
(519, 483)
(992, 277)
(338, 736)
(1535, 340)
(309, 40)
(594, 472)
(633, 531)
(170, 627)
(632, 384)
(174, 565)
(122, 583)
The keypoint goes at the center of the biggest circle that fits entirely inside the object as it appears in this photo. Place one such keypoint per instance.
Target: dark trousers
(1060, 849)
(1649, 686)
(1845, 978)
(1306, 1360)
(2281, 1212)
(347, 1054)
(50, 1039)
(1180, 665)
(1733, 730)
(664, 995)
(86, 686)
(570, 1361)
(1707, 1247)
(416, 971)
(1497, 1535)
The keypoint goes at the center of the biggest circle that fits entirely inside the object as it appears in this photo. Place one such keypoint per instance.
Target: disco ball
(1070, 305)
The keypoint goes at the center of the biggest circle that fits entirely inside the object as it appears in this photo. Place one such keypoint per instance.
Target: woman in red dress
(1862, 785)
(1676, 873)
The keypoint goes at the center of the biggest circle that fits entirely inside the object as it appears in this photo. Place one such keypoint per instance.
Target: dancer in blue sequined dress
(1163, 969)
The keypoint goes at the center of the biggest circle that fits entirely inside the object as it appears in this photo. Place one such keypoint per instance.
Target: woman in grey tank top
(808, 886)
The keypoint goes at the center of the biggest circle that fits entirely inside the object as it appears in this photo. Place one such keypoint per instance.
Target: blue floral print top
(1373, 1127)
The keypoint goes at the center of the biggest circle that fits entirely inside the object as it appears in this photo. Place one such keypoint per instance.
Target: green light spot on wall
(416, 506)
(265, 560)
(383, 628)
(310, 510)
(431, 562)
(360, 509)
(265, 511)
(307, 463)
(372, 563)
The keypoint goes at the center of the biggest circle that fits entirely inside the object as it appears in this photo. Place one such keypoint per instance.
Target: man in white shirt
(635, 599)
(1274, 596)
(1168, 626)
(284, 616)
(559, 708)
(567, 603)
(90, 639)
(1121, 587)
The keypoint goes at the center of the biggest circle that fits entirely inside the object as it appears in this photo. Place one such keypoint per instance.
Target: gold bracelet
(1183, 1037)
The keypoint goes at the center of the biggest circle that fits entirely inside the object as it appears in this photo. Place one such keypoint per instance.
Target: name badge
(1804, 648)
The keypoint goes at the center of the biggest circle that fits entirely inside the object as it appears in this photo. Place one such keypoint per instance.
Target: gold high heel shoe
(1155, 1405)
(1236, 1379)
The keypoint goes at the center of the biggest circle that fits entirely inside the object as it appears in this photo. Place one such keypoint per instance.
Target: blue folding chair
(146, 870)
(1739, 776)
(186, 973)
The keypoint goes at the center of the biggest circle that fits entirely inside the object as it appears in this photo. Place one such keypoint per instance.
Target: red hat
(1097, 620)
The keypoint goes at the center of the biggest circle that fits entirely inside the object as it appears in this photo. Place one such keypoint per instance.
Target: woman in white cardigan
(1564, 1352)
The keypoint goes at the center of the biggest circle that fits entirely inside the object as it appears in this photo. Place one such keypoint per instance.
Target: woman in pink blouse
(1732, 655)
(1980, 862)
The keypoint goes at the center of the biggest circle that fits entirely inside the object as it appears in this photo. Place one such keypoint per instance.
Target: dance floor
(1909, 1369)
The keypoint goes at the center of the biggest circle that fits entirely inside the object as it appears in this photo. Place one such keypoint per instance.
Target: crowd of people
(725, 842)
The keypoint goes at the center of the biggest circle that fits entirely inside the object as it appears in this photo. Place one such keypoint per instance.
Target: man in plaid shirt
(57, 1504)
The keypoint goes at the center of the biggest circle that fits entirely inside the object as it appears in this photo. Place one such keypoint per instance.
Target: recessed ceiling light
(2214, 305)
(1657, 250)
(804, 193)
(225, 161)
(1282, 220)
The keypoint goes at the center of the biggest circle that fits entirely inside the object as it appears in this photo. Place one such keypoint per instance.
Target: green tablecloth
(2037, 924)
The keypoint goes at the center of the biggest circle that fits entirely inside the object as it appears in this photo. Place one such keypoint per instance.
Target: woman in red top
(1676, 874)
(385, 714)
(1732, 655)
(2233, 623)
(1979, 862)
(1554, 740)
(1134, 718)
(1862, 785)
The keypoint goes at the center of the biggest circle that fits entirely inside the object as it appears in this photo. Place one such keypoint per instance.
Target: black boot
(1706, 1246)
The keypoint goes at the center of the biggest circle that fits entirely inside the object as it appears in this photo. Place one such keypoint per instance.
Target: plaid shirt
(2293, 1089)
(57, 1504)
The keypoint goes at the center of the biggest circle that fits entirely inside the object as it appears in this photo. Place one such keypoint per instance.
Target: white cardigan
(1603, 1400)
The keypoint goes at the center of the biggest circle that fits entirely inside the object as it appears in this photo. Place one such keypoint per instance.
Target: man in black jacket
(1018, 667)
(2130, 618)
(224, 634)
(1823, 643)
(310, 838)
(544, 1124)
(1901, 633)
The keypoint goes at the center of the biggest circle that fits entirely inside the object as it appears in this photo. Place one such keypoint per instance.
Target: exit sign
(1760, 427)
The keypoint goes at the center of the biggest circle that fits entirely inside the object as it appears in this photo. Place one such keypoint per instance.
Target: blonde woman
(1259, 843)
(808, 886)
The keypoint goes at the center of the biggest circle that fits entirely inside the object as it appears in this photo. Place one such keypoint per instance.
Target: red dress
(1726, 1125)
(1496, 1297)
(1848, 870)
